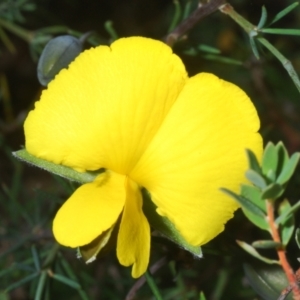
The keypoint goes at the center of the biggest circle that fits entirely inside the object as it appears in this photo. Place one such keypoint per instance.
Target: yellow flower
(131, 108)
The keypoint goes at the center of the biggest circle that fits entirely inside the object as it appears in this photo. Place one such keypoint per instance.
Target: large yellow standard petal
(106, 107)
(133, 245)
(200, 148)
(92, 209)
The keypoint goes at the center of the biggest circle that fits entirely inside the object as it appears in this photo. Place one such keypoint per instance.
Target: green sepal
(252, 251)
(257, 179)
(270, 160)
(288, 169)
(266, 244)
(166, 227)
(253, 194)
(288, 222)
(267, 280)
(102, 244)
(272, 191)
(53, 168)
(158, 222)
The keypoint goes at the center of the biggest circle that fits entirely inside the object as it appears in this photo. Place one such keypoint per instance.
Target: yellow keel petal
(200, 148)
(92, 209)
(133, 245)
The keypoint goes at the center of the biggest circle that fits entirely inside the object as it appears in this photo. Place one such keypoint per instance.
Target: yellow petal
(133, 245)
(92, 209)
(199, 149)
(106, 107)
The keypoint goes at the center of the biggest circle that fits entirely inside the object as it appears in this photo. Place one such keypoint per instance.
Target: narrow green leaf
(266, 244)
(41, 286)
(208, 49)
(246, 203)
(252, 251)
(284, 12)
(21, 282)
(269, 159)
(36, 258)
(263, 18)
(60, 170)
(202, 296)
(288, 169)
(281, 31)
(272, 191)
(166, 227)
(223, 59)
(288, 224)
(253, 162)
(73, 284)
(254, 47)
(176, 16)
(297, 237)
(257, 179)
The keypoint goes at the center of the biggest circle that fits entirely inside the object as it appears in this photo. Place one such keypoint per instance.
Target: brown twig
(202, 11)
(291, 276)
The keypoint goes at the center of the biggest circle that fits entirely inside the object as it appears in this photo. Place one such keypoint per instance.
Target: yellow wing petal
(133, 245)
(199, 149)
(106, 107)
(92, 209)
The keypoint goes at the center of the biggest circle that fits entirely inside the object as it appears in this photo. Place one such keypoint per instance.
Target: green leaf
(253, 162)
(254, 195)
(60, 170)
(252, 251)
(223, 59)
(166, 227)
(283, 157)
(284, 12)
(253, 47)
(272, 191)
(257, 179)
(266, 244)
(73, 284)
(263, 18)
(251, 210)
(288, 169)
(267, 280)
(21, 282)
(202, 296)
(288, 223)
(208, 49)
(287, 213)
(281, 31)
(269, 159)
(297, 237)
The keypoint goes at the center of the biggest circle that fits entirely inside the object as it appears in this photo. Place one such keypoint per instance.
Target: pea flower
(132, 109)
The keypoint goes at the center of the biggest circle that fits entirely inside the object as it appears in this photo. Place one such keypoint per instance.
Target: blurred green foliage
(32, 266)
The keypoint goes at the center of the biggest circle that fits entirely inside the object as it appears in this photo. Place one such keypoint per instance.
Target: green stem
(153, 286)
(284, 61)
(229, 10)
(17, 30)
